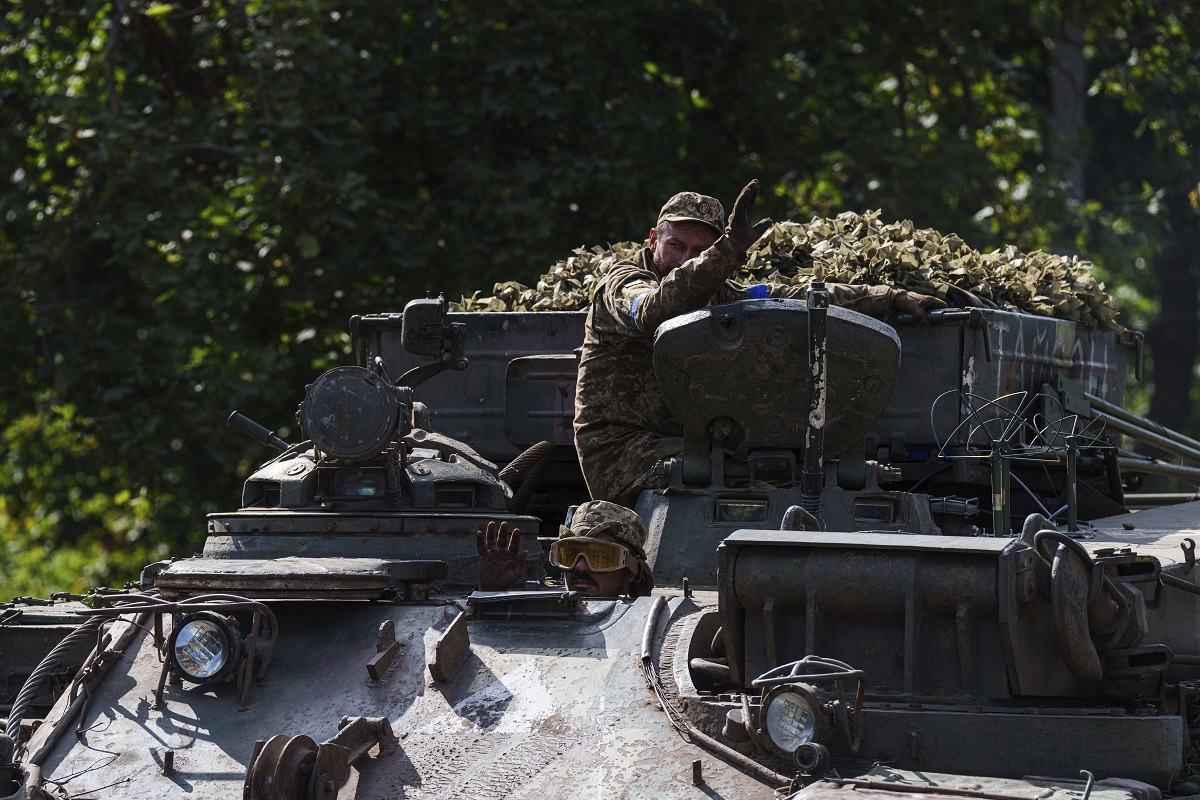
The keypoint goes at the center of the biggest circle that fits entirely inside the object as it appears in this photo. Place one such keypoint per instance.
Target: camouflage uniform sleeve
(641, 302)
(874, 301)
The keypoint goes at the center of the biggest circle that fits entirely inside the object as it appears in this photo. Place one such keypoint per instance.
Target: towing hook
(297, 767)
(1189, 553)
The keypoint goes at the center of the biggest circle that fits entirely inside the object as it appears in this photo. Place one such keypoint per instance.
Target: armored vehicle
(889, 558)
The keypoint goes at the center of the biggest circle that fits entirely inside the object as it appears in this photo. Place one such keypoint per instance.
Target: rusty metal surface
(540, 709)
(883, 782)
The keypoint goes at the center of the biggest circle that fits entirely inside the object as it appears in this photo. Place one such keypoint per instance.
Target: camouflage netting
(857, 249)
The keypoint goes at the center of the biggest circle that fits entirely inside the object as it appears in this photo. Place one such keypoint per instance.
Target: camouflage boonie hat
(600, 516)
(697, 207)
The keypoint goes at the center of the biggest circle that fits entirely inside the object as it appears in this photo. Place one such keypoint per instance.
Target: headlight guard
(804, 702)
(205, 647)
(794, 714)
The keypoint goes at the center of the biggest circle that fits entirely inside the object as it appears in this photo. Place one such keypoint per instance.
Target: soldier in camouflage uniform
(622, 424)
(601, 551)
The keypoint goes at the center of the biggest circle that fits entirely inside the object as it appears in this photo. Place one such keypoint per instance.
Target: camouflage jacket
(622, 425)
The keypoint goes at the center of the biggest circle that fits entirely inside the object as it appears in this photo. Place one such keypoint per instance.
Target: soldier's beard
(658, 265)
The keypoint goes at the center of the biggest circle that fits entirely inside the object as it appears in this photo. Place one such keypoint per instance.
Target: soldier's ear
(653, 238)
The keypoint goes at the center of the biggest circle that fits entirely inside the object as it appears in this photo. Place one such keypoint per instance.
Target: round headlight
(790, 720)
(204, 647)
(793, 714)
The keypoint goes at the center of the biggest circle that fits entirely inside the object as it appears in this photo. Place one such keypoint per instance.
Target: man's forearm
(689, 286)
(874, 301)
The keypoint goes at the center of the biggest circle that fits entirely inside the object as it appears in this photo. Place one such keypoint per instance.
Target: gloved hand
(907, 302)
(740, 233)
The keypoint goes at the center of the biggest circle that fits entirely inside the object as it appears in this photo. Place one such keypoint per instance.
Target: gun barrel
(256, 431)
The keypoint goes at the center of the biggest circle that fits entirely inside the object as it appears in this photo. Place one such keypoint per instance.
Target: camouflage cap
(697, 207)
(600, 516)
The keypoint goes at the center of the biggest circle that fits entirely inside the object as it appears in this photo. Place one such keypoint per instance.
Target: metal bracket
(297, 767)
(1136, 341)
(451, 651)
(386, 649)
(978, 321)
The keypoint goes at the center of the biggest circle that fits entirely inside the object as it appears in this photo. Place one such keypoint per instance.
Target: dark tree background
(196, 195)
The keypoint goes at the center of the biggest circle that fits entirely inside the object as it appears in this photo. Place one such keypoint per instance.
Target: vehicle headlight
(205, 647)
(792, 715)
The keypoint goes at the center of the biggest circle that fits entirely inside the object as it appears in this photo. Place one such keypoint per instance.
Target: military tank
(875, 574)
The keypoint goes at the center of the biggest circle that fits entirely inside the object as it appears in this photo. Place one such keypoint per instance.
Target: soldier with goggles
(601, 553)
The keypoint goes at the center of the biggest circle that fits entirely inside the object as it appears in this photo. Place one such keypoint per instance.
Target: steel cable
(1180, 583)
(44, 669)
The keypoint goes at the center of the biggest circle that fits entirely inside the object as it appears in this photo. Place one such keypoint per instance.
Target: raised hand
(501, 561)
(740, 233)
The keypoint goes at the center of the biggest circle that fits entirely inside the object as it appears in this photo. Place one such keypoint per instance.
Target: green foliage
(70, 520)
(197, 194)
(1144, 219)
